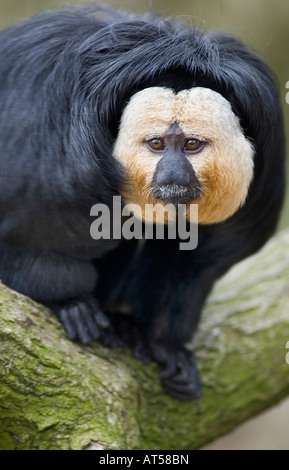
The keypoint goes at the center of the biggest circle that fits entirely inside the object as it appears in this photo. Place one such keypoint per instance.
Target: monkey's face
(184, 148)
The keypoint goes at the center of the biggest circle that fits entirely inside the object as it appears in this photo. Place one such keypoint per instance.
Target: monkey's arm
(63, 283)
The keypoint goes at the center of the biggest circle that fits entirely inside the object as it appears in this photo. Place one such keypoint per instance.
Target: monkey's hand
(180, 377)
(82, 319)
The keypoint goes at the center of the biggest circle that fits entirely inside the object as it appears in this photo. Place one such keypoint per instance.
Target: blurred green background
(263, 25)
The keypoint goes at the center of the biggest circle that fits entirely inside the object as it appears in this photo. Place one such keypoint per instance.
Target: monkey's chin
(176, 194)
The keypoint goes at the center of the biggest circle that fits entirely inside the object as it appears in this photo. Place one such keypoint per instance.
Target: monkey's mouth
(175, 194)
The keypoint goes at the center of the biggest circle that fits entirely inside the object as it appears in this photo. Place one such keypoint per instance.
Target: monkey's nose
(174, 169)
(173, 176)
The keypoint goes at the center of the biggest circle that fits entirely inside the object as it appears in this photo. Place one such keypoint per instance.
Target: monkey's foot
(123, 332)
(82, 319)
(180, 377)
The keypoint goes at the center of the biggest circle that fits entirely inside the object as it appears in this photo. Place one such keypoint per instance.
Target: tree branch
(56, 394)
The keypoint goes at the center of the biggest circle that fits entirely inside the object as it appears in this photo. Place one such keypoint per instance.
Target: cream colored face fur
(224, 167)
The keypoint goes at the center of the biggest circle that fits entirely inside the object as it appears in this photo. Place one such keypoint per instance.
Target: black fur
(65, 78)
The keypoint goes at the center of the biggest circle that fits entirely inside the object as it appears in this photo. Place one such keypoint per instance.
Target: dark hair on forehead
(143, 53)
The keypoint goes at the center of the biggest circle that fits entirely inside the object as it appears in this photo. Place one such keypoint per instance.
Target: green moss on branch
(55, 394)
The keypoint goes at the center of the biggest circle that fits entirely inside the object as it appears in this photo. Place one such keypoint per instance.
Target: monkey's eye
(156, 144)
(193, 145)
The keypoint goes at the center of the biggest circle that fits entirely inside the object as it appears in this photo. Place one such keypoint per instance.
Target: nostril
(173, 177)
(183, 178)
(164, 177)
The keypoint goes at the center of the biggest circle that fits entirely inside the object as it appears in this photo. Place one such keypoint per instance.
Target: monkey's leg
(174, 326)
(63, 283)
(167, 292)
